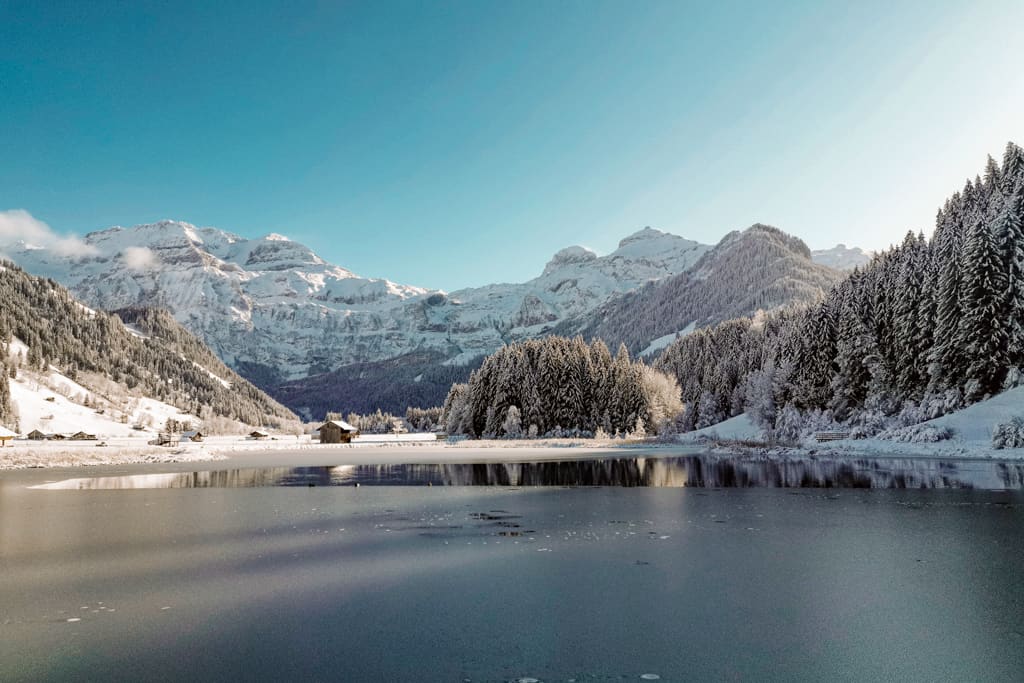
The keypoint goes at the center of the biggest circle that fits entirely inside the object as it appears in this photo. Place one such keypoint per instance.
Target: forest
(561, 387)
(928, 327)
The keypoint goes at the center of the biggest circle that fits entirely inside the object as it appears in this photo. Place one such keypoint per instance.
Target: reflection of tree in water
(707, 471)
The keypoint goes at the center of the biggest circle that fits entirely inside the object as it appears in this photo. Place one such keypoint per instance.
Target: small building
(195, 436)
(82, 436)
(258, 435)
(5, 436)
(37, 435)
(337, 431)
(164, 439)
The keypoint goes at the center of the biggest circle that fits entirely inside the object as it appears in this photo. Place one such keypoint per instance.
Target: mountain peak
(841, 257)
(568, 256)
(762, 231)
(647, 233)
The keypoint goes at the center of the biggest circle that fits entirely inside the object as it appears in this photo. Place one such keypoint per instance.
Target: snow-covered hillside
(970, 433)
(61, 361)
(975, 423)
(274, 310)
(51, 402)
(841, 257)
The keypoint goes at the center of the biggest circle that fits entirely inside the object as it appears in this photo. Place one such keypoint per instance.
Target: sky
(453, 144)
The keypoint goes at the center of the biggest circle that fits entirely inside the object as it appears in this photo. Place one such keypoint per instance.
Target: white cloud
(138, 258)
(19, 226)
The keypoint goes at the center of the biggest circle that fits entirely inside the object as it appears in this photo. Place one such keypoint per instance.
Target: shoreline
(76, 461)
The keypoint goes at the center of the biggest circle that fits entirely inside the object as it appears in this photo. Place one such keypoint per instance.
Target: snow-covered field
(30, 454)
(972, 435)
(971, 439)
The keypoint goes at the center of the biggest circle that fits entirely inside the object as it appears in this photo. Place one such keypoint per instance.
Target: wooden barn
(258, 435)
(337, 431)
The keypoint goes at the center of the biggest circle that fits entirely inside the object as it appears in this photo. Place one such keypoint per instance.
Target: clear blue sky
(453, 144)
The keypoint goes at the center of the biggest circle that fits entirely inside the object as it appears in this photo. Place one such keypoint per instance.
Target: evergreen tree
(1010, 236)
(982, 330)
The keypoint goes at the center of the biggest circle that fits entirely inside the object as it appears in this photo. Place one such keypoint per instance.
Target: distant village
(382, 428)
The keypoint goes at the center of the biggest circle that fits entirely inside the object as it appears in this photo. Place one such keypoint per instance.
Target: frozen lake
(279, 573)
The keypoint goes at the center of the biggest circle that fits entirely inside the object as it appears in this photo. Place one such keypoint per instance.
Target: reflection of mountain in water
(697, 471)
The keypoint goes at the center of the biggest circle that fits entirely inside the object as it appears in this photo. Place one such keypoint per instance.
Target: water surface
(500, 583)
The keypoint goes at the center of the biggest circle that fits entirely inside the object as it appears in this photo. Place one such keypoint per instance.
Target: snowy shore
(290, 452)
(285, 450)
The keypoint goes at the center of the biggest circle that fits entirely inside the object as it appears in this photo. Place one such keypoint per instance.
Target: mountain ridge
(274, 310)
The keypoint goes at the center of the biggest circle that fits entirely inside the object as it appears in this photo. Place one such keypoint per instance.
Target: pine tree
(512, 427)
(854, 355)
(982, 330)
(946, 369)
(907, 339)
(1010, 236)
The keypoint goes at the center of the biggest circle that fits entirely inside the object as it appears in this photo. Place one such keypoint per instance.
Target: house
(5, 436)
(37, 435)
(195, 436)
(257, 434)
(337, 431)
(82, 436)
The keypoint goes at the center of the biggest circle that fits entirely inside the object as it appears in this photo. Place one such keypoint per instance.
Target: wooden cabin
(195, 436)
(257, 434)
(337, 431)
(5, 436)
(37, 435)
(82, 436)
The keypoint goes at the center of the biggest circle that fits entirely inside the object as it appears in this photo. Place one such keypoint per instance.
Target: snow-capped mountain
(841, 257)
(757, 269)
(575, 281)
(276, 311)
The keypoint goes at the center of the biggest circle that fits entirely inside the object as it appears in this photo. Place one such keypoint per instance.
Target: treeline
(560, 387)
(926, 328)
(381, 422)
(169, 364)
(415, 379)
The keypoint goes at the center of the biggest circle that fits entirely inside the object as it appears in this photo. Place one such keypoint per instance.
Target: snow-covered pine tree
(512, 427)
(981, 328)
(1010, 237)
(1012, 176)
(946, 365)
(854, 354)
(907, 340)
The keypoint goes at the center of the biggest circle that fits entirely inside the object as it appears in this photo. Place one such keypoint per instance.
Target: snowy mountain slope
(575, 281)
(757, 269)
(52, 344)
(841, 257)
(264, 302)
(275, 311)
(53, 403)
